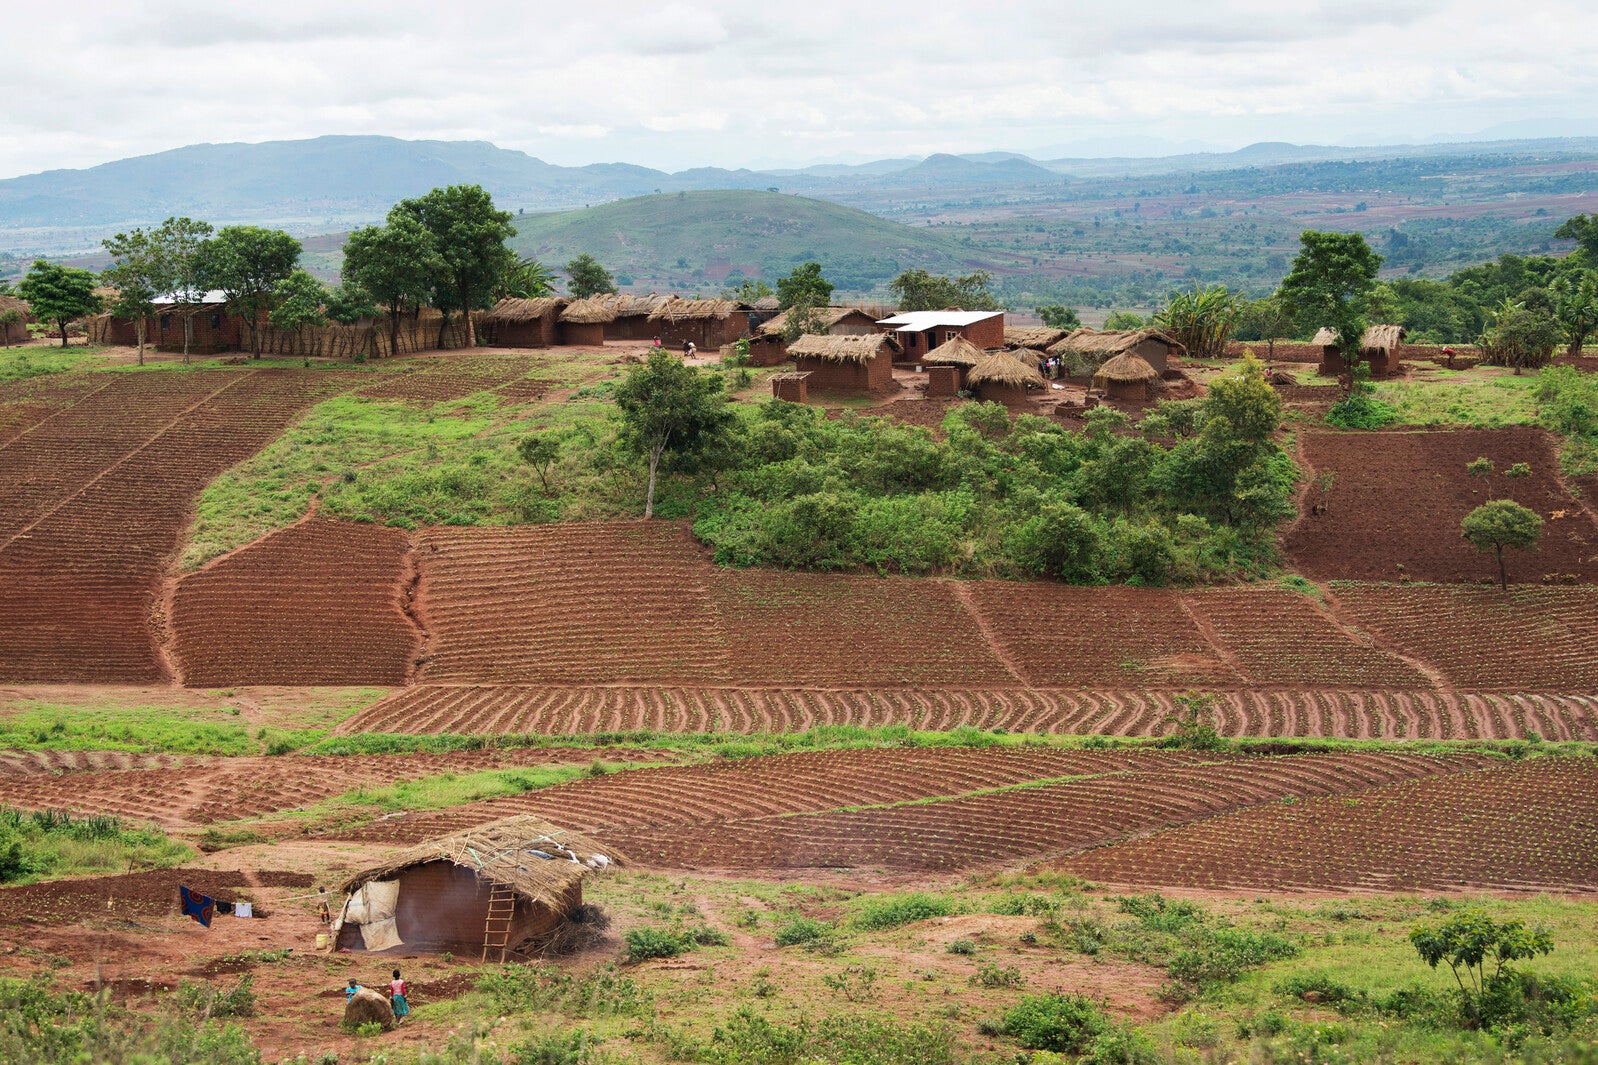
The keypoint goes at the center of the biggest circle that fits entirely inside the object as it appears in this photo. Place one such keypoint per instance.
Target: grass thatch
(1107, 344)
(858, 349)
(1124, 369)
(498, 851)
(1037, 337)
(956, 352)
(1378, 339)
(824, 318)
(511, 310)
(1001, 368)
(679, 309)
(589, 311)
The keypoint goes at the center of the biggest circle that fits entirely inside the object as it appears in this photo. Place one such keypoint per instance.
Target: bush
(890, 911)
(1063, 1023)
(1121, 1046)
(1361, 411)
(802, 930)
(961, 946)
(991, 975)
(646, 943)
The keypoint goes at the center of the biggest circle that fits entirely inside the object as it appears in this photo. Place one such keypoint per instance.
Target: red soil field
(104, 489)
(1530, 639)
(568, 604)
(1396, 499)
(1528, 826)
(479, 709)
(320, 602)
(153, 893)
(57, 763)
(440, 380)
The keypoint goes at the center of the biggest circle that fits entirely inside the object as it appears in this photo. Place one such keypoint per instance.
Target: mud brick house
(1087, 349)
(845, 363)
(1127, 376)
(1379, 348)
(918, 332)
(14, 318)
(949, 365)
(501, 889)
(524, 323)
(1004, 377)
(707, 323)
(791, 387)
(214, 329)
(585, 321)
(768, 347)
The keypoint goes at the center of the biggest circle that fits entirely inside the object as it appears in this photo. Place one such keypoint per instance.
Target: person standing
(396, 993)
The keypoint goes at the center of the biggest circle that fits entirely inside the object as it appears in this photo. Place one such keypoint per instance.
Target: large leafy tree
(140, 272)
(247, 263)
(299, 301)
(469, 235)
(59, 293)
(1498, 524)
(917, 290)
(1583, 229)
(588, 277)
(396, 262)
(1330, 285)
(1059, 316)
(179, 241)
(804, 287)
(668, 406)
(1265, 319)
(1576, 307)
(1520, 336)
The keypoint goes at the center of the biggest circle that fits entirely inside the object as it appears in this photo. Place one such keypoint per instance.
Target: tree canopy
(59, 293)
(395, 262)
(139, 272)
(1498, 524)
(588, 277)
(1059, 316)
(804, 287)
(299, 303)
(469, 235)
(668, 406)
(246, 263)
(179, 241)
(1330, 285)
(917, 290)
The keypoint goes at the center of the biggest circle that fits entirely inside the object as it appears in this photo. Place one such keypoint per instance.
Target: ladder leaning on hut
(496, 925)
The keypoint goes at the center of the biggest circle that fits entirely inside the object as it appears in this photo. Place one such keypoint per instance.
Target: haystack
(1084, 350)
(1378, 348)
(491, 887)
(1126, 376)
(845, 363)
(368, 1007)
(1002, 378)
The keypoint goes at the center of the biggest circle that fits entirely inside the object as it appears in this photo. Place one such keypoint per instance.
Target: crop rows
(429, 709)
(58, 763)
(1530, 826)
(320, 602)
(598, 603)
(456, 377)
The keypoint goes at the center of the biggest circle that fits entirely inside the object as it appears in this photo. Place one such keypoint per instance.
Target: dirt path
(962, 593)
(1217, 643)
(1333, 609)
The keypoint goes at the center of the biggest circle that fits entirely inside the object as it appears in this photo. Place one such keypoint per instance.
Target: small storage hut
(1090, 348)
(525, 323)
(768, 346)
(492, 889)
(14, 318)
(707, 323)
(1003, 378)
(1127, 376)
(845, 363)
(1379, 347)
(949, 364)
(583, 322)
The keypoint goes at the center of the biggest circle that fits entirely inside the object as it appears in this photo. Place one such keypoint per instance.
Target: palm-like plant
(1201, 320)
(528, 279)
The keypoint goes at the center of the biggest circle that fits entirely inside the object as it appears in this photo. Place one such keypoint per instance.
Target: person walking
(396, 993)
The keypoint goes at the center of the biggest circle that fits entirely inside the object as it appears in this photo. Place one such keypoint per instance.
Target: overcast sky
(706, 82)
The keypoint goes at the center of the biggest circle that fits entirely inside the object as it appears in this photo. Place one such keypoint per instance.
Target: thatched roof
(1124, 368)
(1105, 344)
(590, 310)
(1001, 368)
(824, 318)
(1378, 338)
(14, 303)
(501, 851)
(860, 349)
(511, 310)
(1038, 337)
(955, 352)
(678, 309)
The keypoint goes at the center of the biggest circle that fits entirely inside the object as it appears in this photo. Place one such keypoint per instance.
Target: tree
(246, 263)
(1468, 940)
(1058, 316)
(669, 406)
(1265, 319)
(1330, 285)
(347, 303)
(1520, 336)
(180, 240)
(1583, 229)
(1576, 307)
(1501, 523)
(1118, 321)
(748, 290)
(588, 278)
(804, 286)
(299, 300)
(139, 272)
(59, 293)
(1201, 320)
(918, 290)
(396, 263)
(540, 450)
(469, 234)
(527, 279)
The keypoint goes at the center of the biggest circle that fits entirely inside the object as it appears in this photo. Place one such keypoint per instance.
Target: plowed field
(454, 377)
(148, 894)
(428, 709)
(101, 493)
(1531, 826)
(321, 602)
(1396, 499)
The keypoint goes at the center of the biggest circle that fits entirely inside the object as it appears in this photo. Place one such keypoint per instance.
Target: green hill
(696, 240)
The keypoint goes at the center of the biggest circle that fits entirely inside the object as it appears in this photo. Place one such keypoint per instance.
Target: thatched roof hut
(678, 309)
(1087, 349)
(524, 323)
(822, 320)
(512, 309)
(14, 332)
(1379, 347)
(855, 349)
(1003, 378)
(590, 311)
(495, 886)
(1126, 376)
(1036, 337)
(956, 352)
(846, 363)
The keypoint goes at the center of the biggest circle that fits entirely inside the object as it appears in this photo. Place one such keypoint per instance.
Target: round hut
(949, 364)
(583, 323)
(1003, 378)
(1127, 376)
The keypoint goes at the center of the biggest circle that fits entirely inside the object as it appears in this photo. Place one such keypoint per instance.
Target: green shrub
(1121, 1046)
(961, 946)
(992, 975)
(602, 993)
(801, 930)
(646, 943)
(890, 911)
(1479, 467)
(1362, 411)
(1025, 904)
(1063, 1023)
(752, 1039)
(1519, 469)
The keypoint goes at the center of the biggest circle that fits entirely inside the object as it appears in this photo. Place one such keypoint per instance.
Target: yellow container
(321, 941)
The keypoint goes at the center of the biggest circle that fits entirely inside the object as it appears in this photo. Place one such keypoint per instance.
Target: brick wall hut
(949, 364)
(1002, 377)
(707, 323)
(14, 318)
(584, 322)
(1127, 377)
(768, 346)
(212, 329)
(1379, 348)
(918, 332)
(1085, 350)
(524, 323)
(496, 890)
(845, 363)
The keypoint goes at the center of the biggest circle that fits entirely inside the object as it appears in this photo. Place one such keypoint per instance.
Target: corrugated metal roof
(915, 321)
(216, 295)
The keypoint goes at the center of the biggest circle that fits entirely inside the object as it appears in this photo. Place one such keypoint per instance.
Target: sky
(686, 83)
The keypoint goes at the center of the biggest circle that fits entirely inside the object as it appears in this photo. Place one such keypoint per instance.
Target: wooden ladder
(496, 926)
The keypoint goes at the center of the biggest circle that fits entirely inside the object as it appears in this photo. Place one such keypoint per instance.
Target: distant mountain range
(335, 181)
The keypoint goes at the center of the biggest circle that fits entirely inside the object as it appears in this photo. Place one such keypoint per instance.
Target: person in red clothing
(397, 988)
